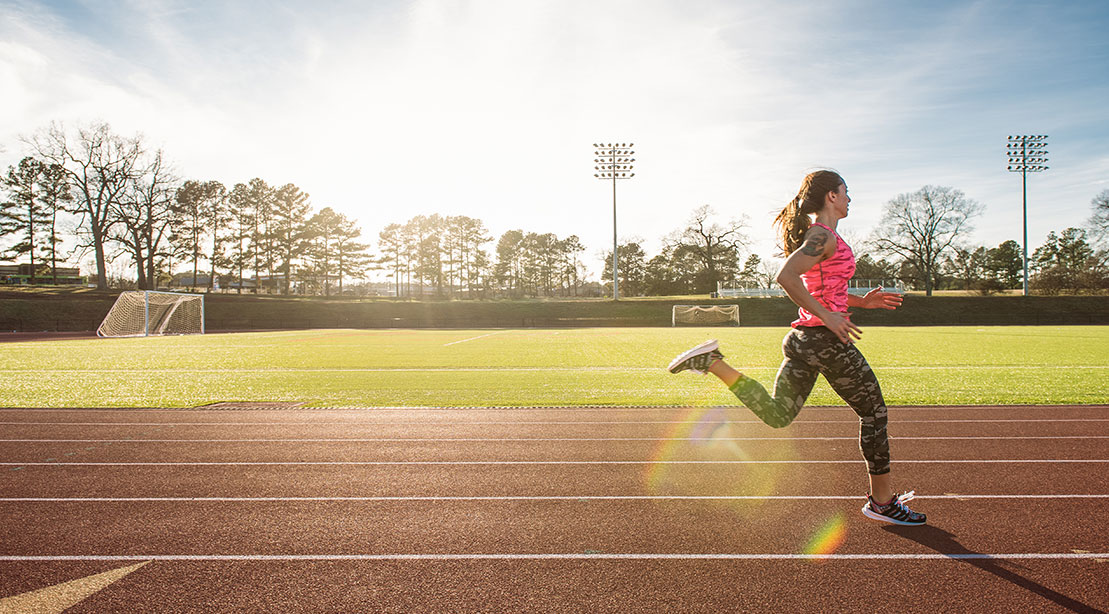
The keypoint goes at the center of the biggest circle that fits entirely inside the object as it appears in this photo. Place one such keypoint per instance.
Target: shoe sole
(704, 348)
(869, 513)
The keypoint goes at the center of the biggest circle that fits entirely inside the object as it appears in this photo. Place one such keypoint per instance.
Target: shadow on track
(945, 543)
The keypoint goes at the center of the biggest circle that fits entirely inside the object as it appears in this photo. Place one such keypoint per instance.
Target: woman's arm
(875, 299)
(818, 246)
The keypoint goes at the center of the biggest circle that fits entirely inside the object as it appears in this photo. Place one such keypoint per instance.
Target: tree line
(919, 242)
(448, 257)
(124, 200)
(922, 232)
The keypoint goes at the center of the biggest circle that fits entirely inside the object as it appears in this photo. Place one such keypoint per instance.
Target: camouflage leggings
(812, 351)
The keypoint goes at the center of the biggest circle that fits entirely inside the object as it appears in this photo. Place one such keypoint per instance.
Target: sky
(387, 109)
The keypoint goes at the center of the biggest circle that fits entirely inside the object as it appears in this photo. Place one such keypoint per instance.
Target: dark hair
(794, 221)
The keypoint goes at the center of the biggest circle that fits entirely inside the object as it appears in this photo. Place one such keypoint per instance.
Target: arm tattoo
(814, 244)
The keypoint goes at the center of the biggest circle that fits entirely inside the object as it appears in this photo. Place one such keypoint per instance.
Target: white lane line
(519, 498)
(538, 369)
(537, 439)
(569, 408)
(533, 422)
(463, 341)
(547, 462)
(561, 556)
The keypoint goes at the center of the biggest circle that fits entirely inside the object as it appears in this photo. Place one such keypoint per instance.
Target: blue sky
(382, 110)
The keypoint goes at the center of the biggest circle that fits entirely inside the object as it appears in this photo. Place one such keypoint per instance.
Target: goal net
(705, 315)
(146, 312)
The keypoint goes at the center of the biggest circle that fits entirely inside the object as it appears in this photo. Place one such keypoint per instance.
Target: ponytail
(793, 221)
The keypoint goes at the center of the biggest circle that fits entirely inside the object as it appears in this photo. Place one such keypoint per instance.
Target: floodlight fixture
(1027, 154)
(614, 163)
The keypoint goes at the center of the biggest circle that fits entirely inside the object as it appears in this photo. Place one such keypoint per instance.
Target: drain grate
(254, 405)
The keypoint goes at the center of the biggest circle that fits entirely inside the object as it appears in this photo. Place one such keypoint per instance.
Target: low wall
(27, 312)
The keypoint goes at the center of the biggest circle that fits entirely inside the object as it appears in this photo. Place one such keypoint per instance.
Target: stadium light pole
(1027, 154)
(614, 162)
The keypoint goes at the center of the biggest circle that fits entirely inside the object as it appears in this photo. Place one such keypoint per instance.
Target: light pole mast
(614, 162)
(1027, 154)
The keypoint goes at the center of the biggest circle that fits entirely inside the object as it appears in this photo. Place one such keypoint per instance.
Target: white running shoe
(697, 359)
(895, 511)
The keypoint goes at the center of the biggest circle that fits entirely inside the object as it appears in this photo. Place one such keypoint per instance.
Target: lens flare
(708, 433)
(828, 538)
(697, 435)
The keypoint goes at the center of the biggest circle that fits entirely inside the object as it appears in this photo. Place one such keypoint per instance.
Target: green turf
(608, 366)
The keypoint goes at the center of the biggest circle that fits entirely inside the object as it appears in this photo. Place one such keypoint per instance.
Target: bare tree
(99, 165)
(713, 245)
(922, 226)
(1099, 221)
(143, 216)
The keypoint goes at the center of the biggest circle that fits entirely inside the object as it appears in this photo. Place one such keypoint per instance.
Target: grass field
(522, 367)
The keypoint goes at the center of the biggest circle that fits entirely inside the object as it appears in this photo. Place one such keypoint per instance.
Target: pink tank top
(827, 282)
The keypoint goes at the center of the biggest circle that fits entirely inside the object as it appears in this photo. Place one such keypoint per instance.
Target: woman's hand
(878, 299)
(843, 328)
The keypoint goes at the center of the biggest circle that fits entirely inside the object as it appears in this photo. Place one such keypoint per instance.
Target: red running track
(556, 509)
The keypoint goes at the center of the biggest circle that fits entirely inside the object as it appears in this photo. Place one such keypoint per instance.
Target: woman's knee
(779, 419)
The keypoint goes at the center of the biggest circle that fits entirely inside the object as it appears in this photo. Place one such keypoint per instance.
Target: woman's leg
(792, 386)
(847, 371)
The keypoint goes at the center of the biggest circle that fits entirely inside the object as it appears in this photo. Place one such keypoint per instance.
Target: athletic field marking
(517, 498)
(558, 556)
(462, 341)
(612, 369)
(534, 422)
(533, 439)
(571, 408)
(542, 462)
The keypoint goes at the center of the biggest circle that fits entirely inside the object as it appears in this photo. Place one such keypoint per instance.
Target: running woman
(818, 265)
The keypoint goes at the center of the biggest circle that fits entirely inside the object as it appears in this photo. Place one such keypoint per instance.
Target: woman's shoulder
(820, 241)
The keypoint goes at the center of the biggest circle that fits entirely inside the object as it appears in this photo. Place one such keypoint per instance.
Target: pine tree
(23, 214)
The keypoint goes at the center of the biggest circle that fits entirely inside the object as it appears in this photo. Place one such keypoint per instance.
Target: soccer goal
(705, 315)
(142, 313)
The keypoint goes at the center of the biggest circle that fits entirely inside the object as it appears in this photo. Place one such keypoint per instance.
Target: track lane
(1024, 585)
(585, 586)
(844, 426)
(463, 415)
(538, 480)
(535, 424)
(489, 527)
(707, 447)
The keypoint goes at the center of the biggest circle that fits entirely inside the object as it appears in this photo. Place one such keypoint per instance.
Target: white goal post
(140, 313)
(705, 315)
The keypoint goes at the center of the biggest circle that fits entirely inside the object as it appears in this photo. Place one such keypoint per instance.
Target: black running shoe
(895, 511)
(697, 359)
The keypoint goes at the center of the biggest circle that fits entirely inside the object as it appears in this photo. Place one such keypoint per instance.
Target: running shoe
(697, 359)
(894, 511)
